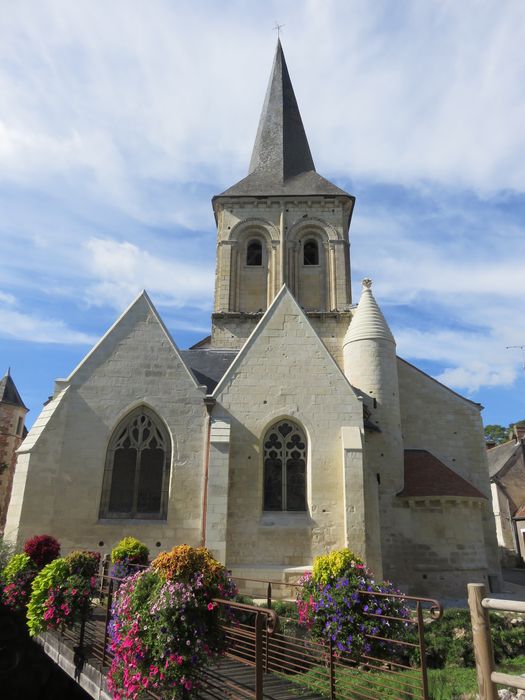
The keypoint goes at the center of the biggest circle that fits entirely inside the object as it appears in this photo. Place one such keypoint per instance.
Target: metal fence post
(422, 649)
(260, 621)
(331, 669)
(106, 621)
(482, 642)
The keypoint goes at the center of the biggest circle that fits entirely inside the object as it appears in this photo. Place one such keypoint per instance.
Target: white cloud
(19, 326)
(122, 269)
(6, 298)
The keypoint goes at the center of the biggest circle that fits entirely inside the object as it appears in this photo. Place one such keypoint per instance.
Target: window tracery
(137, 469)
(285, 450)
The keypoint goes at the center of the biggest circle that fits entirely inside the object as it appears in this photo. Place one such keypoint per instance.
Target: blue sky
(120, 120)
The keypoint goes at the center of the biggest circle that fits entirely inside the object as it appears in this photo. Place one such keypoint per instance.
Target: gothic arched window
(137, 469)
(254, 253)
(311, 252)
(285, 467)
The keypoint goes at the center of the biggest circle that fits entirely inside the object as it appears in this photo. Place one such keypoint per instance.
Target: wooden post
(482, 642)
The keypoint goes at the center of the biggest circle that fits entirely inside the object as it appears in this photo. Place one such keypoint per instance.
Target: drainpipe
(209, 402)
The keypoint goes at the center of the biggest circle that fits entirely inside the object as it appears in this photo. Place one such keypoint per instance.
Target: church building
(292, 430)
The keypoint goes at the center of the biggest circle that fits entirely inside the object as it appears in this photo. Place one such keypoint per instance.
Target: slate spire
(281, 147)
(9, 392)
(281, 162)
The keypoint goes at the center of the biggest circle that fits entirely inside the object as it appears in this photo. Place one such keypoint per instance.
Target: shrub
(165, 625)
(130, 551)
(337, 603)
(17, 578)
(61, 592)
(6, 552)
(42, 549)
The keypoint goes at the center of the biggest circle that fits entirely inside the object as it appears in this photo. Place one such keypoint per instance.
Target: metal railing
(487, 676)
(278, 647)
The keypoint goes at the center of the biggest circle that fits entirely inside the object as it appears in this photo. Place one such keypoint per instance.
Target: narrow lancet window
(285, 468)
(137, 469)
(311, 253)
(254, 253)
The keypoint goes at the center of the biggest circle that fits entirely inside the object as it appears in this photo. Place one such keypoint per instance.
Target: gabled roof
(281, 162)
(501, 457)
(140, 306)
(427, 476)
(9, 392)
(285, 302)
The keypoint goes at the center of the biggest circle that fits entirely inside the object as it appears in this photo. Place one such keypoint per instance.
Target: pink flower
(210, 606)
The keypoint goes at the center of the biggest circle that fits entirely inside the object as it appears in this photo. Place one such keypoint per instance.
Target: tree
(496, 433)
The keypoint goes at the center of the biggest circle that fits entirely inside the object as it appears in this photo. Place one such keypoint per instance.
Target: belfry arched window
(311, 252)
(137, 468)
(285, 450)
(254, 253)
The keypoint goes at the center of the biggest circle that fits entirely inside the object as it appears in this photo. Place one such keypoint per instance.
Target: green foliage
(449, 640)
(339, 602)
(17, 564)
(83, 563)
(496, 433)
(51, 576)
(6, 552)
(130, 551)
(165, 624)
(329, 567)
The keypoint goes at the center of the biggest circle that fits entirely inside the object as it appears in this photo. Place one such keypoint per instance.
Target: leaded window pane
(285, 468)
(137, 469)
(121, 496)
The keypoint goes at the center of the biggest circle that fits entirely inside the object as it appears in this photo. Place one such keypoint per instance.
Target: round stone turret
(370, 364)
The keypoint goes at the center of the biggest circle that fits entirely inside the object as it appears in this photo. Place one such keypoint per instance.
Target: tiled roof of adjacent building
(427, 476)
(502, 456)
(208, 366)
(9, 392)
(281, 162)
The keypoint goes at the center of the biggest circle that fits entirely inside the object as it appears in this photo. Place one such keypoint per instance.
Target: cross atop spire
(281, 161)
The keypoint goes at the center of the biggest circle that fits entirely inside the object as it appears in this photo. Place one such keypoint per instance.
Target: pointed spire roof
(368, 322)
(9, 392)
(281, 161)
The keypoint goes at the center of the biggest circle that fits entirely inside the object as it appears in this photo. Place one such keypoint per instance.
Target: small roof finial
(278, 28)
(367, 283)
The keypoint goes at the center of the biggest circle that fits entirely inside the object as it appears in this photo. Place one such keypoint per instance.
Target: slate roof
(502, 456)
(208, 366)
(281, 162)
(9, 392)
(426, 475)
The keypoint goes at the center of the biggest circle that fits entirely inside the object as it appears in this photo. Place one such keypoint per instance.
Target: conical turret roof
(281, 161)
(368, 322)
(9, 392)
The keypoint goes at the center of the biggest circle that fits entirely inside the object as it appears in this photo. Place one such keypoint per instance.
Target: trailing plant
(337, 603)
(165, 626)
(42, 549)
(17, 578)
(127, 555)
(62, 591)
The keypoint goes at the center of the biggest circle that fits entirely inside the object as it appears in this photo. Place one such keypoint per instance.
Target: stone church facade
(293, 430)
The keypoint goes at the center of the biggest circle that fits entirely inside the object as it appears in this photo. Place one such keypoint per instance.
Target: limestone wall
(286, 372)
(437, 419)
(135, 364)
(11, 429)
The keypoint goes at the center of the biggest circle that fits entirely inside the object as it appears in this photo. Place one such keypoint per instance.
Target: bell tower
(282, 224)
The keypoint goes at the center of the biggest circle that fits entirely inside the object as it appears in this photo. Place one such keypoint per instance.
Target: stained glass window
(285, 468)
(137, 469)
